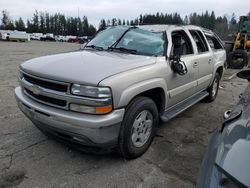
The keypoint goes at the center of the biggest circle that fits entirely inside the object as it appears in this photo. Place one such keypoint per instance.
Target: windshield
(133, 40)
(107, 37)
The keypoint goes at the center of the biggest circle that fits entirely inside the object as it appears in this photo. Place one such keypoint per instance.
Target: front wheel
(213, 89)
(138, 127)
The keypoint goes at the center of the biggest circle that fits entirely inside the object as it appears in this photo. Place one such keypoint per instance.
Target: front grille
(46, 84)
(46, 99)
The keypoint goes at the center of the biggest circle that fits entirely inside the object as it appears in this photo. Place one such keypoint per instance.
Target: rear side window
(214, 42)
(200, 41)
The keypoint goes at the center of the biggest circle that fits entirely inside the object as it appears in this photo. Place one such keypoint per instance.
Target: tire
(229, 47)
(134, 126)
(213, 89)
(237, 54)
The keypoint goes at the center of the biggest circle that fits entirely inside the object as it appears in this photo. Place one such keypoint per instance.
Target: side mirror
(245, 74)
(178, 66)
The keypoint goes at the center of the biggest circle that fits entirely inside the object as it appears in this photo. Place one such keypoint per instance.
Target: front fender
(132, 91)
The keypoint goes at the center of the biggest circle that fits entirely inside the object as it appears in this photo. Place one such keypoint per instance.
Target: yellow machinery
(238, 55)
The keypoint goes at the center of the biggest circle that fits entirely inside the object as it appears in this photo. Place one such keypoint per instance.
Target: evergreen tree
(19, 25)
(114, 21)
(85, 25)
(102, 24)
(42, 23)
(35, 22)
(119, 22)
(6, 21)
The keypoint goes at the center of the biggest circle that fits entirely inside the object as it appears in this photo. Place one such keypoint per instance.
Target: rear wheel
(138, 127)
(213, 89)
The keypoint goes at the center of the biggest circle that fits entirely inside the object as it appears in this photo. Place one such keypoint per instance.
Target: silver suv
(114, 92)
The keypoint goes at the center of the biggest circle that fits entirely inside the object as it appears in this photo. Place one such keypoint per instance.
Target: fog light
(90, 109)
(82, 108)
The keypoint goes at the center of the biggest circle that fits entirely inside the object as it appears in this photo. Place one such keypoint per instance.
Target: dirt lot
(30, 159)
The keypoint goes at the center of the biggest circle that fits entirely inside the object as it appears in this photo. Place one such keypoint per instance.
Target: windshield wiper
(123, 50)
(95, 47)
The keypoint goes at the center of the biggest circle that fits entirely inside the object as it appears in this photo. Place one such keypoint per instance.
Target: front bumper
(90, 130)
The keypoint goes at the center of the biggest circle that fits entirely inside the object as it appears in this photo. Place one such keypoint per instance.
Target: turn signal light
(103, 109)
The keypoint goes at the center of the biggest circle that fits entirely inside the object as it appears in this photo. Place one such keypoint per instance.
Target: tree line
(44, 22)
(59, 24)
(220, 24)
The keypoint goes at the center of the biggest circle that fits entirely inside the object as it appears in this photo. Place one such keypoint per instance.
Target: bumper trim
(98, 129)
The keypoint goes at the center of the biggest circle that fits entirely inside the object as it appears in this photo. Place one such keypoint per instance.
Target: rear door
(204, 59)
(217, 48)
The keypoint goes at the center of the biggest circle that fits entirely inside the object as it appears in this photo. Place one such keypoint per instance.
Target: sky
(95, 10)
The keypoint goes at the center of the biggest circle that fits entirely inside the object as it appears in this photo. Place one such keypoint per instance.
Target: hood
(84, 67)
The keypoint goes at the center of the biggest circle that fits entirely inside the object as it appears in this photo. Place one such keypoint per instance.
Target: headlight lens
(101, 99)
(89, 91)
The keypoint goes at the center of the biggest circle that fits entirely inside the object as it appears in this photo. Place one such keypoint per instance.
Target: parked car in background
(48, 37)
(226, 162)
(61, 38)
(113, 93)
(36, 36)
(72, 39)
(83, 40)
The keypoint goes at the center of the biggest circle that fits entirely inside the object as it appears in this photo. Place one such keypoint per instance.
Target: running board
(176, 110)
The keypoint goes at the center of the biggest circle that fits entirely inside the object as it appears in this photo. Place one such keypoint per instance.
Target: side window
(210, 42)
(181, 43)
(214, 42)
(199, 40)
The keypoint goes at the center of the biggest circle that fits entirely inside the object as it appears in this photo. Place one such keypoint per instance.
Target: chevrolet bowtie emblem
(35, 90)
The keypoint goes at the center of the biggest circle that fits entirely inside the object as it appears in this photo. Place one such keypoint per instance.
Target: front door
(181, 87)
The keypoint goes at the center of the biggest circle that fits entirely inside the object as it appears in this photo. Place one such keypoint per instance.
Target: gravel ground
(30, 159)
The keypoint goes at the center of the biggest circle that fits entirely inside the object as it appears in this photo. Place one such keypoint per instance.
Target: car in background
(84, 39)
(226, 162)
(48, 37)
(36, 36)
(72, 39)
(61, 38)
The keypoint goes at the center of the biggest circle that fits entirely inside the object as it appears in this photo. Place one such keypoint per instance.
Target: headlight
(89, 91)
(100, 103)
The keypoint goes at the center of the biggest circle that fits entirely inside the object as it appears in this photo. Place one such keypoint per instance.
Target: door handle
(209, 61)
(195, 64)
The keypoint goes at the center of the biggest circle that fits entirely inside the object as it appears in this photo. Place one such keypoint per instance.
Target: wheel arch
(155, 89)
(220, 70)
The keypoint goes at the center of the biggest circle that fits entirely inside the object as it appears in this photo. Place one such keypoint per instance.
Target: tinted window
(199, 40)
(181, 43)
(214, 42)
